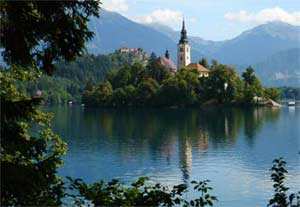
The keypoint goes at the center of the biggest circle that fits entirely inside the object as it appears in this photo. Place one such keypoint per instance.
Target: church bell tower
(184, 50)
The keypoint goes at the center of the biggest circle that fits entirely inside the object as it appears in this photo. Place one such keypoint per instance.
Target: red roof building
(204, 72)
(167, 62)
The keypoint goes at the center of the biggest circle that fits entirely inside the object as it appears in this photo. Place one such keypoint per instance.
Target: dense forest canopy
(155, 85)
(70, 79)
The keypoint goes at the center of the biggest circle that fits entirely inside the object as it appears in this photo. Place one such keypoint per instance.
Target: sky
(208, 19)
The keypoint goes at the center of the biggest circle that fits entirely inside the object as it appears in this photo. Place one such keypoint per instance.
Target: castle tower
(184, 50)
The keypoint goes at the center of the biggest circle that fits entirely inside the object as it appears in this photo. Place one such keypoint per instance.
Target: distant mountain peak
(278, 29)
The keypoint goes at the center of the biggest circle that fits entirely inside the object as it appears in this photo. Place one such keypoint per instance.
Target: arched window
(187, 49)
(181, 49)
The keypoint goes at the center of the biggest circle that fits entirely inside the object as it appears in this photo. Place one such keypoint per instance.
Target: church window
(187, 49)
(181, 58)
(181, 49)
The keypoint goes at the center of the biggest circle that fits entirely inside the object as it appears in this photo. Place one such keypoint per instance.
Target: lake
(233, 148)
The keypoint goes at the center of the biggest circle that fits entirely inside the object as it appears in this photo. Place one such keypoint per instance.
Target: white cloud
(162, 16)
(265, 15)
(115, 5)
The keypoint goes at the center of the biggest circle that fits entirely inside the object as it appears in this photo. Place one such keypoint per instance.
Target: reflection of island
(170, 134)
(254, 118)
(161, 127)
(203, 141)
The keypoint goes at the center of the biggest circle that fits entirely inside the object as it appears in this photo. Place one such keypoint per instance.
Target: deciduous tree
(33, 35)
(40, 32)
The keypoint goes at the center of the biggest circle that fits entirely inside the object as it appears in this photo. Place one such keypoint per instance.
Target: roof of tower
(183, 36)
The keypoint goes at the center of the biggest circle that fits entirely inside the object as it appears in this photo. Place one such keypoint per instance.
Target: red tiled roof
(198, 67)
(167, 63)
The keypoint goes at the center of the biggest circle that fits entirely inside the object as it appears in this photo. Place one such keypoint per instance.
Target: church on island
(183, 56)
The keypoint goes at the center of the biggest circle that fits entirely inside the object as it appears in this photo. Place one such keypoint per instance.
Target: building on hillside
(137, 54)
(203, 71)
(127, 50)
(167, 62)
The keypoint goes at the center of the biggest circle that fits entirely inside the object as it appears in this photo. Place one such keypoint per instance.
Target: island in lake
(158, 82)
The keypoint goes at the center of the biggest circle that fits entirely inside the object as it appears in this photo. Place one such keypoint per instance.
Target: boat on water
(291, 103)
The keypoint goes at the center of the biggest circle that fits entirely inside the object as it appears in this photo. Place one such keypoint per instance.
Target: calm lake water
(233, 148)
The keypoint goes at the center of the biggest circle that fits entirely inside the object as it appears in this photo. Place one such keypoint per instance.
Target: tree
(140, 193)
(280, 197)
(89, 84)
(29, 157)
(100, 95)
(190, 76)
(122, 78)
(222, 84)
(158, 72)
(249, 76)
(214, 64)
(153, 58)
(33, 35)
(130, 92)
(146, 91)
(119, 97)
(41, 32)
(272, 93)
(204, 62)
(252, 86)
(177, 91)
(103, 93)
(137, 73)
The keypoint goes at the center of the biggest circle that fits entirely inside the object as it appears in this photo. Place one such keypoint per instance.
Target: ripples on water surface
(232, 147)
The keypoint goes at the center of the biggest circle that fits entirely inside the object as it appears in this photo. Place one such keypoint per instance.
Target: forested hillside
(70, 79)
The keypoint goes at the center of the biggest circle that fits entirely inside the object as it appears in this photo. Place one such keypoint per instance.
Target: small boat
(291, 103)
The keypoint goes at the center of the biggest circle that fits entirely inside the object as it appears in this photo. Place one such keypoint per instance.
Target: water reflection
(162, 132)
(232, 147)
(185, 161)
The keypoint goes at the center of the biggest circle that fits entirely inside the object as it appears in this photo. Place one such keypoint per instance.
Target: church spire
(183, 49)
(167, 55)
(183, 37)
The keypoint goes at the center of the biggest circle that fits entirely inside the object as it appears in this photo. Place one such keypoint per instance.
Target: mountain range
(273, 48)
